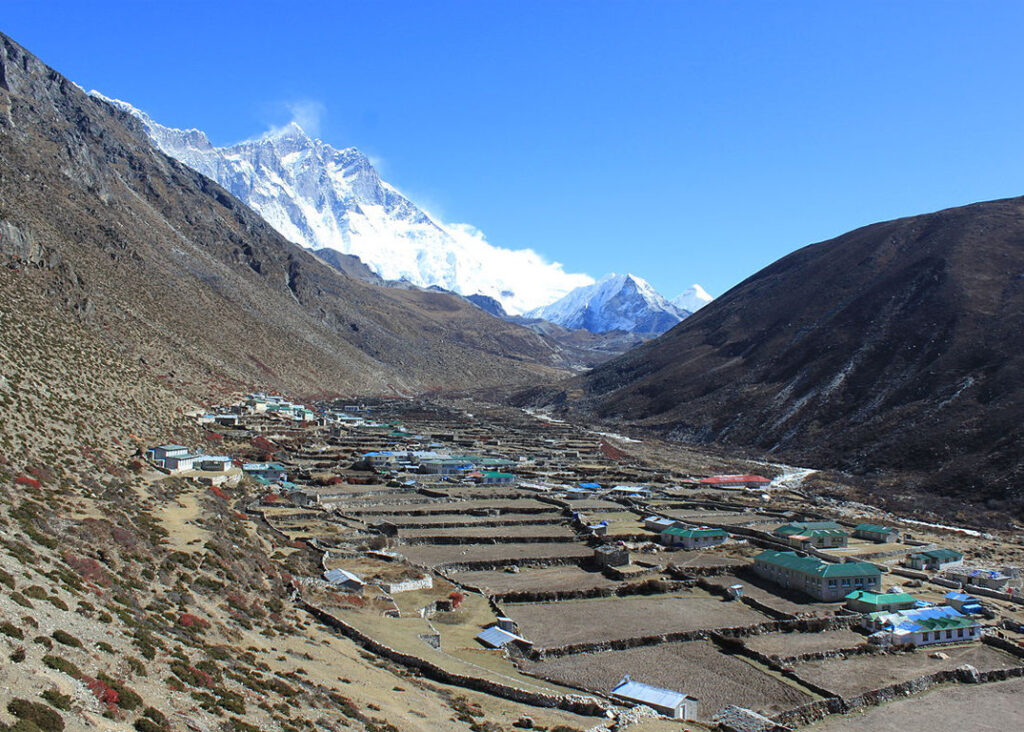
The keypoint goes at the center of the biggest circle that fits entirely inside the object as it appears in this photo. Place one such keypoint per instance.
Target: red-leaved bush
(188, 620)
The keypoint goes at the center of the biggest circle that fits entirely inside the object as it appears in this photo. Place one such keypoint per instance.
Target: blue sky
(681, 141)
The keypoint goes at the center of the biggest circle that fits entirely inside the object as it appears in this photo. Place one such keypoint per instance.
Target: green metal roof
(694, 533)
(880, 598)
(811, 528)
(874, 528)
(816, 567)
(944, 623)
(941, 554)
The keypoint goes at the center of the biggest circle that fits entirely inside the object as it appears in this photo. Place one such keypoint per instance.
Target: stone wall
(576, 704)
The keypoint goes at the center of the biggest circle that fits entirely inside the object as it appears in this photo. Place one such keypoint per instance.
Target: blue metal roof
(645, 694)
(591, 486)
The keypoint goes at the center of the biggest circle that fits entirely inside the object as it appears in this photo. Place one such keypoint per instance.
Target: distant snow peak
(616, 302)
(692, 298)
(319, 196)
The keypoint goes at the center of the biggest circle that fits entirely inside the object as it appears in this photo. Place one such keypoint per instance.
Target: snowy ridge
(692, 298)
(318, 196)
(616, 302)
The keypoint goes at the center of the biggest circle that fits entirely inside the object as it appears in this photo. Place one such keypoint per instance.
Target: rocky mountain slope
(321, 197)
(169, 266)
(897, 346)
(617, 302)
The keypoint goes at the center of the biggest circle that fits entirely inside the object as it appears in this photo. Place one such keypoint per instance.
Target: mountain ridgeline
(177, 274)
(322, 197)
(897, 346)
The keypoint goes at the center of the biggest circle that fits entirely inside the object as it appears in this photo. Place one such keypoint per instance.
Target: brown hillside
(171, 267)
(896, 346)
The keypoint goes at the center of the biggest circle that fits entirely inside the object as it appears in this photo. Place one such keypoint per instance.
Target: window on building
(924, 637)
(960, 633)
(949, 633)
(846, 583)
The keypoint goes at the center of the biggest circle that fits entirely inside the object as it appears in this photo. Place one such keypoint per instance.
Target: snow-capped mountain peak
(616, 302)
(692, 298)
(319, 196)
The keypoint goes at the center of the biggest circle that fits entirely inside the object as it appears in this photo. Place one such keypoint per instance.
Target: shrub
(156, 715)
(35, 592)
(128, 698)
(102, 691)
(21, 599)
(61, 701)
(137, 666)
(147, 725)
(18, 654)
(43, 641)
(105, 647)
(188, 620)
(38, 714)
(6, 579)
(62, 664)
(12, 630)
(66, 639)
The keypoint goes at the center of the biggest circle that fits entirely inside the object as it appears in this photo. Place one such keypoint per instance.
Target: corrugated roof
(495, 637)
(817, 567)
(694, 533)
(880, 598)
(646, 694)
(339, 576)
(874, 528)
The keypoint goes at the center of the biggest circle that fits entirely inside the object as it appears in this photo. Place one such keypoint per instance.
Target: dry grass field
(993, 707)
(540, 579)
(857, 674)
(523, 531)
(551, 624)
(436, 554)
(787, 645)
(696, 668)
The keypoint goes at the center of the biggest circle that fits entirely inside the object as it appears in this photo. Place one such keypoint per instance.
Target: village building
(922, 626)
(497, 637)
(698, 538)
(160, 453)
(818, 534)
(736, 481)
(934, 559)
(344, 580)
(217, 463)
(266, 472)
(658, 524)
(876, 533)
(990, 579)
(445, 466)
(966, 604)
(821, 580)
(866, 601)
(672, 704)
(611, 555)
(495, 478)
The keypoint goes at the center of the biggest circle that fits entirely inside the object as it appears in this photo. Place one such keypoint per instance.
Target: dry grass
(578, 621)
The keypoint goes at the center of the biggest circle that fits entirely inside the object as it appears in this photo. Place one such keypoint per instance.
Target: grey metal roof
(495, 637)
(340, 576)
(652, 695)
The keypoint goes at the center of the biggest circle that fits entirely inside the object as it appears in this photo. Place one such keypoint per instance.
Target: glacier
(319, 196)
